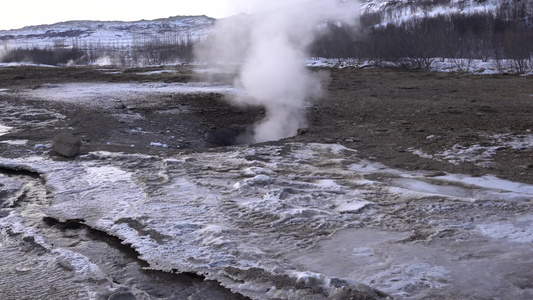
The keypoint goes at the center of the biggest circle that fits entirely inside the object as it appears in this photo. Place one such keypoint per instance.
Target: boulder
(65, 144)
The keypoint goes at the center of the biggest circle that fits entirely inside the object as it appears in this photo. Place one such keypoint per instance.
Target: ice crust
(286, 225)
(480, 155)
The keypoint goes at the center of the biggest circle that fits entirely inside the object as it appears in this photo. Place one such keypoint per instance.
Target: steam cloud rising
(271, 47)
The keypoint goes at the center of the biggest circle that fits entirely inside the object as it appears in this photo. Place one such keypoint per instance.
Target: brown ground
(381, 113)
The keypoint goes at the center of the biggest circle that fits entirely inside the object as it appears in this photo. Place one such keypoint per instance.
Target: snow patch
(4, 129)
(520, 232)
(157, 144)
(353, 207)
(157, 72)
(105, 94)
(15, 142)
(477, 154)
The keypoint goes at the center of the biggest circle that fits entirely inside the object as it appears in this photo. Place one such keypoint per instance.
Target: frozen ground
(478, 154)
(471, 66)
(290, 220)
(105, 95)
(459, 65)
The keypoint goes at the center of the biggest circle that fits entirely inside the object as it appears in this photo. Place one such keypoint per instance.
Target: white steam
(4, 50)
(104, 61)
(272, 49)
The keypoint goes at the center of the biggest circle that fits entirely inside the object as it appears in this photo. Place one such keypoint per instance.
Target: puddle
(352, 249)
(443, 268)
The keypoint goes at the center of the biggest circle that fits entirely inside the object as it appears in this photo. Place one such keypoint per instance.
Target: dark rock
(65, 144)
(302, 131)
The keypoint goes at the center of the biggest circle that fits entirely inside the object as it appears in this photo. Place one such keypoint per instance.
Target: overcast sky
(19, 13)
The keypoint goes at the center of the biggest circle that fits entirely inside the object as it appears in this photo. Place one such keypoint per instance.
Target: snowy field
(105, 95)
(470, 66)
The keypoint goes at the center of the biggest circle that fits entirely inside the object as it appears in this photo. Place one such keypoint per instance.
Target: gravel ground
(471, 124)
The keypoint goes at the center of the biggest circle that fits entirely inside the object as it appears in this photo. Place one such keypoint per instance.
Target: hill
(108, 33)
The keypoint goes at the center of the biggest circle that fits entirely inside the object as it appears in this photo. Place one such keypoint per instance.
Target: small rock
(352, 140)
(65, 144)
(119, 105)
(302, 131)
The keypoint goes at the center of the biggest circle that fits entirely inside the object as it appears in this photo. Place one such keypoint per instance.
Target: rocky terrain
(408, 120)
(407, 185)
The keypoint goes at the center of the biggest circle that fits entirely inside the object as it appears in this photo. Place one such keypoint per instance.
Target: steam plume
(4, 50)
(273, 73)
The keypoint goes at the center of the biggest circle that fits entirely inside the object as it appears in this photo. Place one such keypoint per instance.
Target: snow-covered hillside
(471, 29)
(378, 6)
(117, 33)
(397, 11)
(108, 33)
